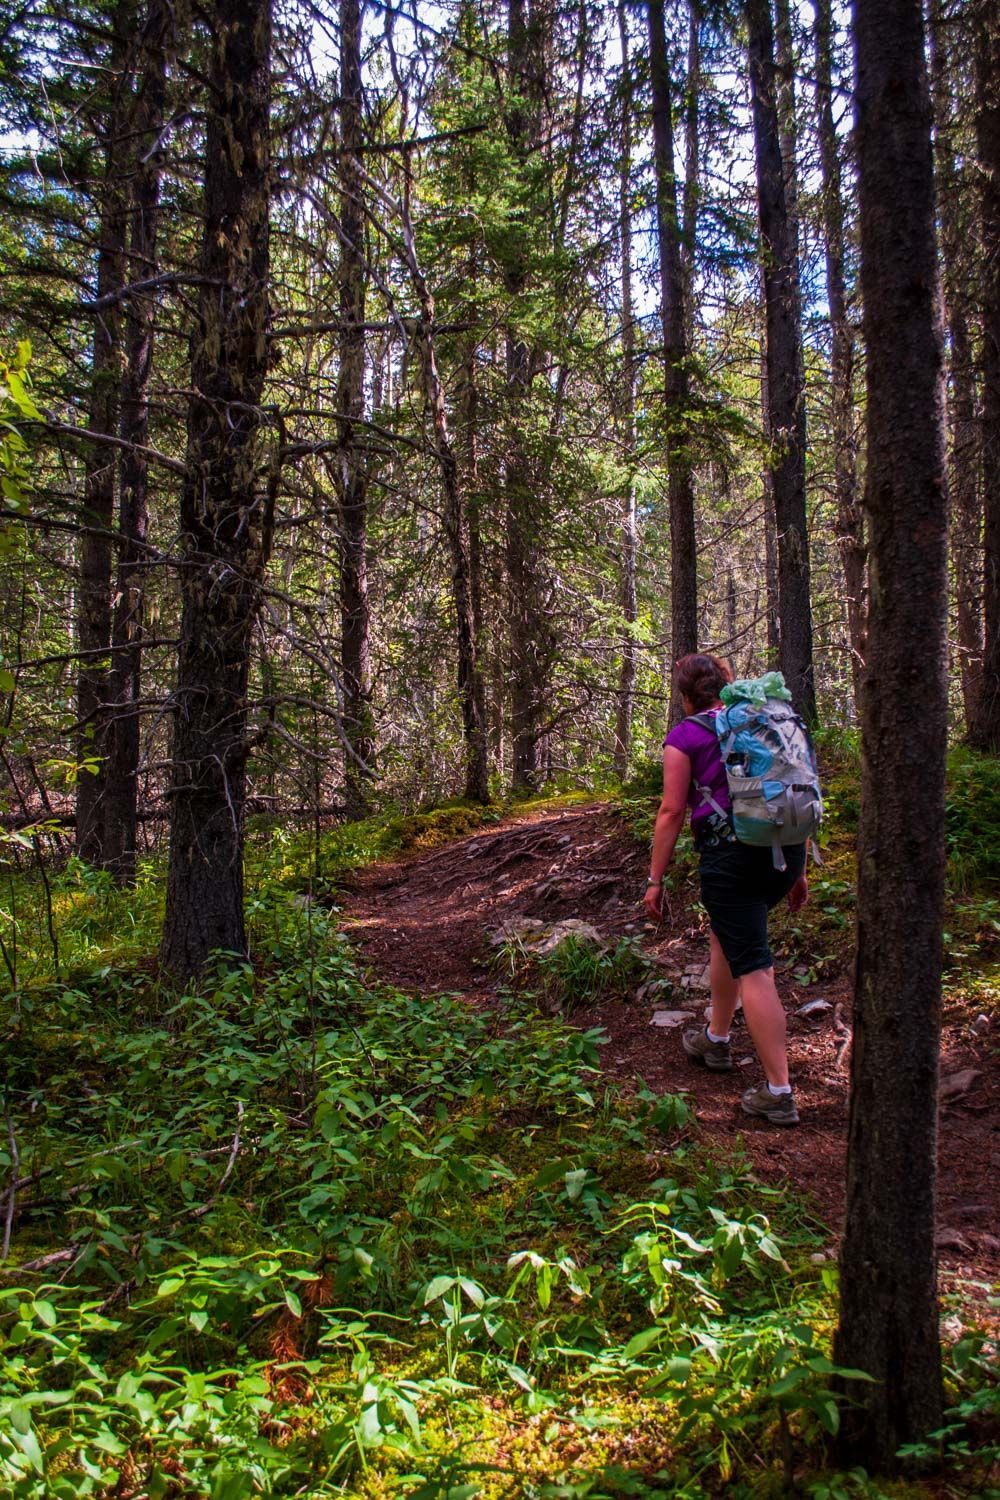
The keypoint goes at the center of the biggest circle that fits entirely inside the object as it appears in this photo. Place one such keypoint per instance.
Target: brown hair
(700, 678)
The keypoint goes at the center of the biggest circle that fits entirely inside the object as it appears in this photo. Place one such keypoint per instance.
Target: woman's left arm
(669, 820)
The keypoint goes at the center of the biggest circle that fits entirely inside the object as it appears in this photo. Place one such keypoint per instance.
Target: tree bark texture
(96, 551)
(850, 523)
(888, 1286)
(352, 462)
(770, 527)
(676, 420)
(692, 165)
(785, 369)
(531, 645)
(960, 258)
(629, 597)
(225, 510)
(788, 131)
(986, 729)
(121, 793)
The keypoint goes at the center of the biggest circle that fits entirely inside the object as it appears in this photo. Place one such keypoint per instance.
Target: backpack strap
(706, 796)
(706, 720)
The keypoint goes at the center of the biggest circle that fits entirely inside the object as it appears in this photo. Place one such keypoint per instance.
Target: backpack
(771, 770)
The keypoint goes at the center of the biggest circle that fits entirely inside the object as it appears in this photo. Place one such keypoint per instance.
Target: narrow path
(423, 922)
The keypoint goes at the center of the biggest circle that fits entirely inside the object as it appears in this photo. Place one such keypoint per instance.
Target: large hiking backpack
(772, 774)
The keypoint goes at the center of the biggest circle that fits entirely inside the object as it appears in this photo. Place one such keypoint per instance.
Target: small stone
(957, 1084)
(981, 1024)
(951, 1239)
(744, 1062)
(819, 1258)
(815, 1007)
(671, 1017)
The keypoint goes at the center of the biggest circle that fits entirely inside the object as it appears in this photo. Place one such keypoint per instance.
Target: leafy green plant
(576, 971)
(294, 1233)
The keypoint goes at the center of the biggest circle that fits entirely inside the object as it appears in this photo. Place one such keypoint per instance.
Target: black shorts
(739, 885)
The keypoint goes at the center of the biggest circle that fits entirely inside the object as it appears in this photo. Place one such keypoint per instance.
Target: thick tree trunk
(773, 622)
(784, 54)
(530, 631)
(850, 526)
(692, 166)
(225, 518)
(121, 793)
(629, 598)
(94, 598)
(683, 553)
(352, 464)
(960, 260)
(986, 728)
(888, 1288)
(785, 369)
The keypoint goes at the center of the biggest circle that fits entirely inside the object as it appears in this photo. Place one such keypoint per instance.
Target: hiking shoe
(716, 1056)
(778, 1108)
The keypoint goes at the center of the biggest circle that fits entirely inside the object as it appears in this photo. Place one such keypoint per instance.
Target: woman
(739, 885)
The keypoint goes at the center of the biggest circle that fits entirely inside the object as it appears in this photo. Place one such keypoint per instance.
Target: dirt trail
(423, 923)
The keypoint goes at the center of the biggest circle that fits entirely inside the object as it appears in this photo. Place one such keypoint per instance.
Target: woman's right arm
(669, 820)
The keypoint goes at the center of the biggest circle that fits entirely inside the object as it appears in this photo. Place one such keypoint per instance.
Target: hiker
(739, 885)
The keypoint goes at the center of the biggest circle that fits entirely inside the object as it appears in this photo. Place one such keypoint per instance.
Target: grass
(310, 1231)
(315, 1237)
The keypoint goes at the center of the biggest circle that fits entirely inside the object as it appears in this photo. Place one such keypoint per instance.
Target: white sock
(712, 1036)
(777, 1089)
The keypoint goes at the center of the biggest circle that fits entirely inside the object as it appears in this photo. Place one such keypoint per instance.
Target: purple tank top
(702, 749)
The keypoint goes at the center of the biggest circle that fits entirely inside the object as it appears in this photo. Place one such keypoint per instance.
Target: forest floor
(428, 922)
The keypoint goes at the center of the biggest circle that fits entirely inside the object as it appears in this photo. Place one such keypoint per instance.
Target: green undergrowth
(576, 971)
(290, 1234)
(78, 922)
(293, 1233)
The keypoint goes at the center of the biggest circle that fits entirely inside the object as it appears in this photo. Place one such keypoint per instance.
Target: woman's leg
(765, 1017)
(725, 989)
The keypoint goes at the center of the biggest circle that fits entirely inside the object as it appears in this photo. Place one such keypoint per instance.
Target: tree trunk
(986, 729)
(470, 443)
(889, 1310)
(530, 631)
(960, 262)
(773, 636)
(226, 522)
(785, 369)
(683, 553)
(94, 599)
(629, 599)
(692, 166)
(471, 693)
(352, 465)
(784, 51)
(121, 794)
(850, 526)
